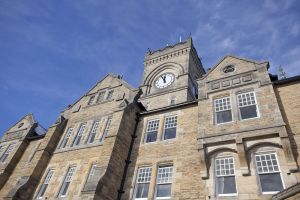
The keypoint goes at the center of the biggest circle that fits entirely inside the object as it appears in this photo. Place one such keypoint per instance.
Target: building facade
(232, 132)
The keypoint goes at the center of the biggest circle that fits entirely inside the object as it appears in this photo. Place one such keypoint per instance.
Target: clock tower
(170, 75)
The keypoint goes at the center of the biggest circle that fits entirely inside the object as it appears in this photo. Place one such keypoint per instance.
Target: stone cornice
(167, 56)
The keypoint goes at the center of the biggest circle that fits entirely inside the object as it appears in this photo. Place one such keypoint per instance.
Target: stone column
(243, 157)
(203, 162)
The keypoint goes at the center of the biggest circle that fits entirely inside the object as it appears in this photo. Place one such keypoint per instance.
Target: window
(100, 96)
(67, 180)
(45, 184)
(106, 129)
(142, 183)
(170, 127)
(268, 172)
(79, 135)
(172, 102)
(164, 182)
(228, 69)
(109, 95)
(247, 105)
(7, 152)
(91, 100)
(225, 177)
(92, 171)
(151, 131)
(223, 110)
(66, 138)
(93, 132)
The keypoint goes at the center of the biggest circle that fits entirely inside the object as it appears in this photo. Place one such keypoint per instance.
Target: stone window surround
(262, 152)
(154, 166)
(160, 131)
(234, 106)
(163, 179)
(241, 149)
(50, 169)
(227, 155)
(64, 180)
(89, 126)
(148, 180)
(256, 104)
(215, 112)
(96, 95)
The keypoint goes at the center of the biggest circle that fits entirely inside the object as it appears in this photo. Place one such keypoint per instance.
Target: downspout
(128, 161)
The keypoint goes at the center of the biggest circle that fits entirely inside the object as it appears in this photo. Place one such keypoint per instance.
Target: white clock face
(164, 80)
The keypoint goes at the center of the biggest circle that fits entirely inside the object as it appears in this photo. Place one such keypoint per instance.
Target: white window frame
(238, 105)
(66, 137)
(221, 108)
(79, 134)
(216, 176)
(46, 181)
(150, 129)
(68, 178)
(167, 126)
(106, 129)
(170, 181)
(93, 132)
(144, 180)
(278, 171)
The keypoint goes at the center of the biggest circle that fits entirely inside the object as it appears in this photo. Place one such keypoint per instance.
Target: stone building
(232, 132)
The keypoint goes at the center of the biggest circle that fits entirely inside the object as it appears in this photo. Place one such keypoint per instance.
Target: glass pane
(226, 185)
(64, 188)
(270, 182)
(163, 190)
(170, 133)
(151, 137)
(224, 116)
(42, 190)
(248, 112)
(142, 190)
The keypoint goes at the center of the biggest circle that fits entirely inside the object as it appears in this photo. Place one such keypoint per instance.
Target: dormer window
(91, 100)
(109, 95)
(100, 96)
(228, 69)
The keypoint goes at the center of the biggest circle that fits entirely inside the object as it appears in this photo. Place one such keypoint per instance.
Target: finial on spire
(149, 51)
(282, 73)
(180, 38)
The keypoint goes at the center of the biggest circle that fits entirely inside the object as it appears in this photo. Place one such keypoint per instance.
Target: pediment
(24, 123)
(230, 66)
(109, 82)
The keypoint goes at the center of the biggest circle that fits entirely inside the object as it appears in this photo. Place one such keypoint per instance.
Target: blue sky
(52, 52)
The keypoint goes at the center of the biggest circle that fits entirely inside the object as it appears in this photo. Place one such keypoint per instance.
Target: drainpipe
(128, 161)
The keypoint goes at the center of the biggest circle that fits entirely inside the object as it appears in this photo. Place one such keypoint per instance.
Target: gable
(19, 129)
(24, 123)
(240, 65)
(110, 82)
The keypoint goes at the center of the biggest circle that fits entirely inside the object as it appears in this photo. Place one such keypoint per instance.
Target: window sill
(102, 102)
(163, 198)
(79, 147)
(273, 192)
(227, 195)
(249, 119)
(224, 123)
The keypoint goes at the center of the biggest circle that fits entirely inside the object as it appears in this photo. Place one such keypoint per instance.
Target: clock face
(164, 80)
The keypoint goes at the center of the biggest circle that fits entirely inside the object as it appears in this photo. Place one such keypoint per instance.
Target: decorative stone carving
(247, 78)
(236, 81)
(215, 86)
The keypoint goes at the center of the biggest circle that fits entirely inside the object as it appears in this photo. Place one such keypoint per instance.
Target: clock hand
(164, 78)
